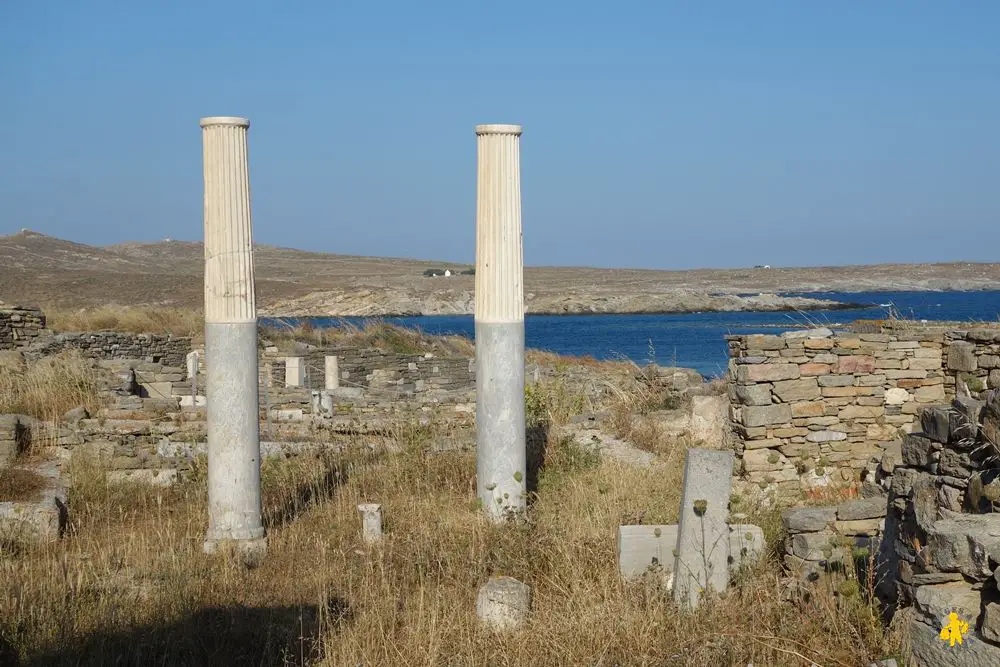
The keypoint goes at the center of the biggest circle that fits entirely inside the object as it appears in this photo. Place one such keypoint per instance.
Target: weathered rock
(754, 394)
(965, 543)
(936, 423)
(855, 364)
(803, 389)
(991, 419)
(918, 451)
(767, 373)
(808, 519)
(864, 508)
(503, 603)
(826, 436)
(897, 396)
(991, 621)
(925, 648)
(962, 356)
(935, 602)
(765, 415)
(836, 380)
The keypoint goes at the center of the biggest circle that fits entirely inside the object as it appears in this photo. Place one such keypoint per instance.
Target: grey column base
(234, 504)
(500, 429)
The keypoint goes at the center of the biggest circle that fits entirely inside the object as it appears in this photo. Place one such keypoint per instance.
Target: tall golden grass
(131, 585)
(49, 387)
(126, 319)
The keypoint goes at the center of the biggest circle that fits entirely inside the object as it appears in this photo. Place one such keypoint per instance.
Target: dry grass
(131, 585)
(174, 321)
(373, 333)
(49, 387)
(20, 484)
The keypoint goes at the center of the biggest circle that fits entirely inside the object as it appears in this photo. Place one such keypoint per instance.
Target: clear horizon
(656, 136)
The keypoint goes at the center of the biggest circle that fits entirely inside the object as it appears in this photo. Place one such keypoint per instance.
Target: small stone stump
(503, 603)
(371, 522)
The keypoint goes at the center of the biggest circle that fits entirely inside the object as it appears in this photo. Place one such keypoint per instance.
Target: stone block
(836, 381)
(988, 361)
(861, 412)
(767, 373)
(826, 436)
(939, 600)
(765, 415)
(932, 394)
(865, 527)
(808, 334)
(751, 360)
(818, 344)
(702, 558)
(803, 389)
(144, 476)
(765, 342)
(991, 621)
(754, 394)
(807, 409)
(643, 549)
(896, 396)
(855, 364)
(764, 460)
(503, 603)
(936, 423)
(918, 451)
(962, 356)
(871, 380)
(813, 369)
(965, 543)
(808, 519)
(993, 382)
(928, 364)
(812, 546)
(862, 508)
(908, 374)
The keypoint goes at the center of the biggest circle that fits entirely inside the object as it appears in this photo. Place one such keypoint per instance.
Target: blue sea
(695, 340)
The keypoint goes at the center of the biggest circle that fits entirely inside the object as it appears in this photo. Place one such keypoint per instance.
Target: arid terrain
(45, 271)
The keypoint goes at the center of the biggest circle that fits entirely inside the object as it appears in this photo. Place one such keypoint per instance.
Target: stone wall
(814, 408)
(151, 348)
(823, 539)
(378, 371)
(19, 327)
(973, 356)
(942, 536)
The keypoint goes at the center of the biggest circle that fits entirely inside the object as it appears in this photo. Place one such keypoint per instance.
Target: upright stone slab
(703, 539)
(332, 373)
(294, 371)
(234, 504)
(499, 315)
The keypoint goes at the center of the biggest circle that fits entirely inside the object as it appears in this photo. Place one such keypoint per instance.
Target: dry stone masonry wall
(153, 348)
(813, 408)
(942, 539)
(19, 327)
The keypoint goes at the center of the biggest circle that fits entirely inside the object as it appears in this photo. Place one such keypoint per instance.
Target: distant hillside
(42, 270)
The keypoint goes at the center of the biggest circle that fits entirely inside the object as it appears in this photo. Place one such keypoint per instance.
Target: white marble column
(234, 504)
(500, 427)
(332, 368)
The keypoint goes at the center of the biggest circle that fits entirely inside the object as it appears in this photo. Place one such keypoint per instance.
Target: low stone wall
(19, 327)
(15, 436)
(812, 408)
(820, 539)
(943, 532)
(378, 371)
(974, 357)
(152, 348)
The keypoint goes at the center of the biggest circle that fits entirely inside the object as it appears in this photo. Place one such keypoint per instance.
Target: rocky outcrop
(377, 302)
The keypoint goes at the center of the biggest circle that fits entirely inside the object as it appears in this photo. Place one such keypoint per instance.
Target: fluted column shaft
(234, 502)
(500, 427)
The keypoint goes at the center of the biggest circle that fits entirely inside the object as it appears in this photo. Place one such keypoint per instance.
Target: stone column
(500, 427)
(332, 368)
(293, 371)
(234, 505)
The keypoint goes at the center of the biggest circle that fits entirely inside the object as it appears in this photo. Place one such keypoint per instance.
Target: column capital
(236, 121)
(498, 129)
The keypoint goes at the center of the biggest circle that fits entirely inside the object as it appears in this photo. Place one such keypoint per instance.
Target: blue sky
(656, 134)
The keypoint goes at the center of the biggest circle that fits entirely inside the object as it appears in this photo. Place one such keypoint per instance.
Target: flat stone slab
(41, 519)
(613, 448)
(644, 549)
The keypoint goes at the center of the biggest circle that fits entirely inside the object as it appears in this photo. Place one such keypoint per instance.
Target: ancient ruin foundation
(499, 316)
(234, 504)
